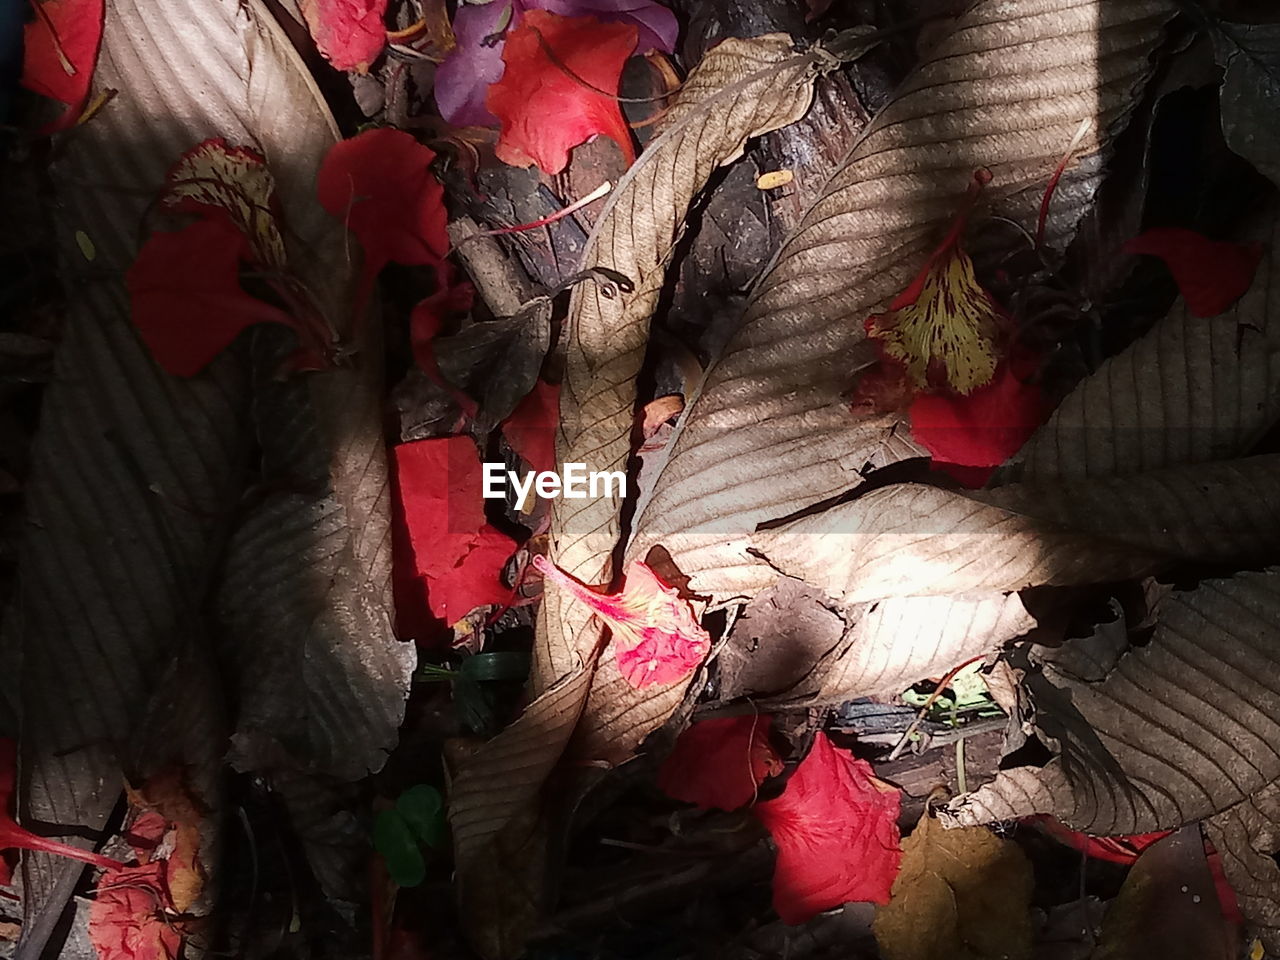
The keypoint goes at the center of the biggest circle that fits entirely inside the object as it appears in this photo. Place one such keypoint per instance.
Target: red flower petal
(545, 112)
(1211, 275)
(60, 51)
(836, 829)
(656, 638)
(1118, 849)
(380, 185)
(438, 491)
(126, 921)
(720, 762)
(350, 34)
(982, 430)
(476, 581)
(185, 295)
(448, 561)
(531, 428)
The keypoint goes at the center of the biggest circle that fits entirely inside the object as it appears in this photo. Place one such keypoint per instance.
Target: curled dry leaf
(720, 762)
(960, 893)
(741, 89)
(836, 829)
(774, 408)
(1172, 735)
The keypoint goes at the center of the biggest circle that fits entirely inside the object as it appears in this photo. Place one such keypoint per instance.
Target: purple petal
(462, 81)
(658, 27)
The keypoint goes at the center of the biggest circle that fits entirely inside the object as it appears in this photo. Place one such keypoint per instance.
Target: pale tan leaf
(1192, 389)
(771, 432)
(960, 895)
(1247, 838)
(1183, 727)
(135, 473)
(908, 539)
(742, 89)
(899, 641)
(499, 839)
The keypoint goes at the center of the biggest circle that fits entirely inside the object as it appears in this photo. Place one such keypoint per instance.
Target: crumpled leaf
(836, 829)
(1172, 735)
(516, 345)
(1211, 275)
(380, 185)
(741, 89)
(720, 762)
(912, 540)
(1250, 55)
(1247, 838)
(60, 52)
(770, 433)
(462, 81)
(350, 34)
(656, 639)
(543, 110)
(1191, 390)
(960, 894)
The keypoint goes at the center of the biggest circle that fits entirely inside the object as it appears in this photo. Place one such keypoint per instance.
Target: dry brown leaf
(136, 473)
(771, 432)
(1191, 390)
(742, 88)
(899, 641)
(960, 895)
(1183, 728)
(910, 540)
(1247, 837)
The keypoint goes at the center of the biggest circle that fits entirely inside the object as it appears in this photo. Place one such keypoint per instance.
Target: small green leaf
(395, 840)
(422, 808)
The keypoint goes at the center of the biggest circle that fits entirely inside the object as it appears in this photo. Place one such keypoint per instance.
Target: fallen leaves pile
(617, 479)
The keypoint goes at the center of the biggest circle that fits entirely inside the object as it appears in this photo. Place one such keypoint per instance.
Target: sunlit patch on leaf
(212, 176)
(657, 639)
(944, 328)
